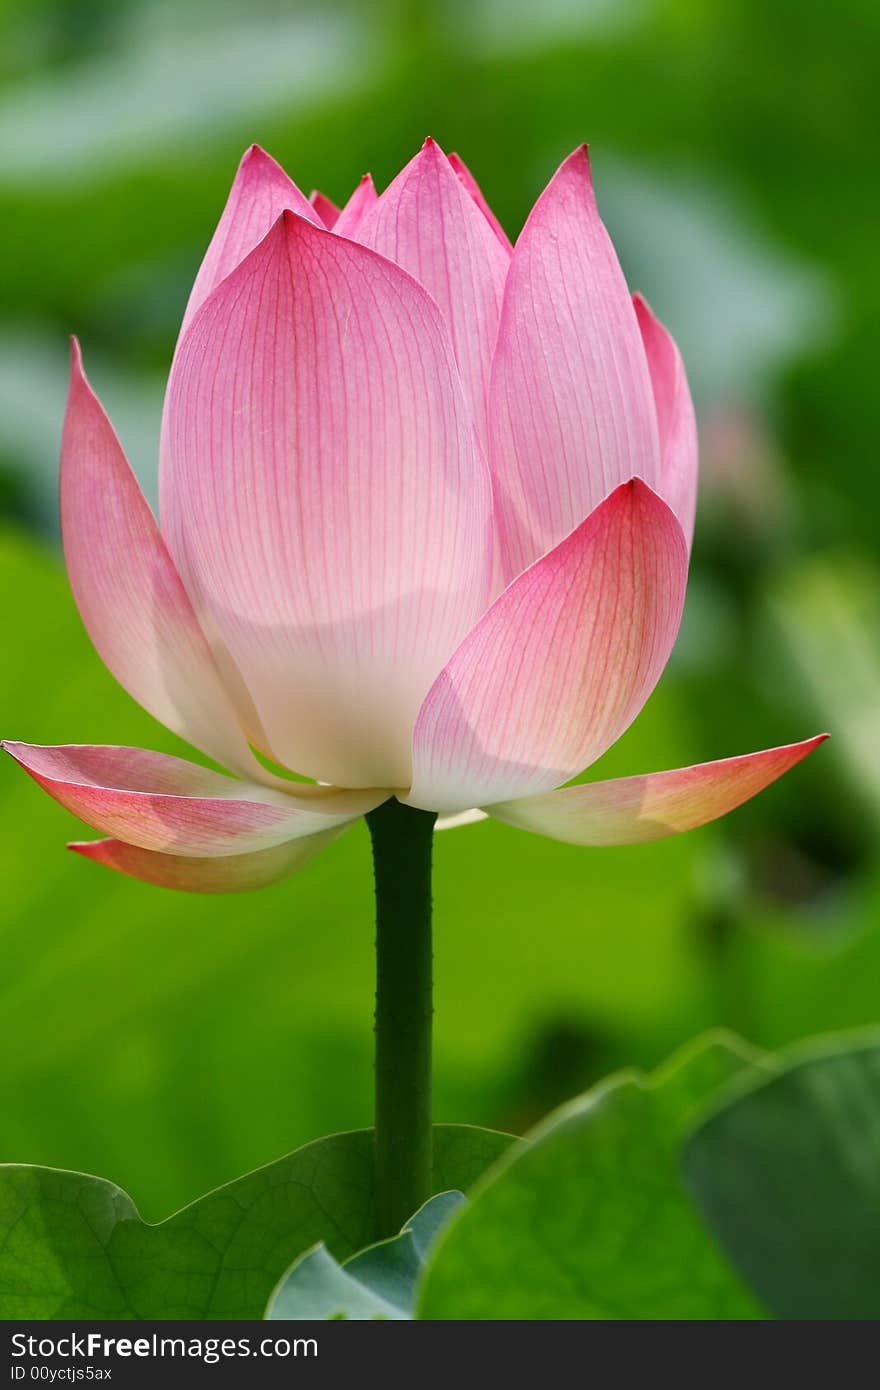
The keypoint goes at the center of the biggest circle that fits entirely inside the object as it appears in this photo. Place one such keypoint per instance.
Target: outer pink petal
(324, 497)
(469, 183)
(260, 193)
(327, 210)
(571, 411)
(675, 418)
(357, 207)
(427, 223)
(632, 809)
(560, 665)
(128, 591)
(233, 873)
(162, 803)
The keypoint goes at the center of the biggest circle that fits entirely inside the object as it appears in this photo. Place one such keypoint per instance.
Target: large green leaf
(379, 1282)
(74, 1246)
(590, 1220)
(788, 1176)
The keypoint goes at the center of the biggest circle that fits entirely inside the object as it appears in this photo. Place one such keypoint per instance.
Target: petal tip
(96, 851)
(433, 153)
(577, 165)
(294, 224)
(635, 489)
(798, 751)
(288, 230)
(255, 154)
(77, 370)
(579, 157)
(650, 326)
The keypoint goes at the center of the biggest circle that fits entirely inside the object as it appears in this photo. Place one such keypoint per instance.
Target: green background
(168, 1042)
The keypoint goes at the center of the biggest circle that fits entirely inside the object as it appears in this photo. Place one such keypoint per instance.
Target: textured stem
(402, 842)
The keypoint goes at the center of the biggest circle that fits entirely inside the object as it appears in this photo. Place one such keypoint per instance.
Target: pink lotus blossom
(426, 508)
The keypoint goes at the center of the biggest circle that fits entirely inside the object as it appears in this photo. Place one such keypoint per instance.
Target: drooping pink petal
(571, 411)
(561, 663)
(164, 803)
(231, 873)
(357, 207)
(675, 417)
(327, 210)
(427, 223)
(324, 497)
(260, 193)
(629, 810)
(469, 183)
(128, 592)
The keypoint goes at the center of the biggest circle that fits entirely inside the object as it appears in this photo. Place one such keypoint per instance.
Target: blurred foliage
(171, 1043)
(785, 1171)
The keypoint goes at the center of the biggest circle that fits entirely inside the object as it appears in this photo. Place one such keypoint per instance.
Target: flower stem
(402, 841)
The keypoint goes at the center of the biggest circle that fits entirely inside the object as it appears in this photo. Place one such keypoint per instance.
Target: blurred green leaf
(74, 1246)
(590, 1220)
(380, 1282)
(827, 614)
(787, 1175)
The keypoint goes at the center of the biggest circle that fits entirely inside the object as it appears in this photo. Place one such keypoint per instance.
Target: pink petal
(327, 210)
(460, 818)
(675, 418)
(560, 665)
(128, 592)
(630, 810)
(232, 873)
(571, 411)
(324, 497)
(357, 207)
(260, 193)
(469, 183)
(427, 223)
(163, 803)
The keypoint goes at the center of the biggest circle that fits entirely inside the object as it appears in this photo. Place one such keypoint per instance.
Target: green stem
(402, 841)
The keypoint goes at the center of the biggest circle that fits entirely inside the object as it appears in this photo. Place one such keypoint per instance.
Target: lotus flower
(426, 508)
